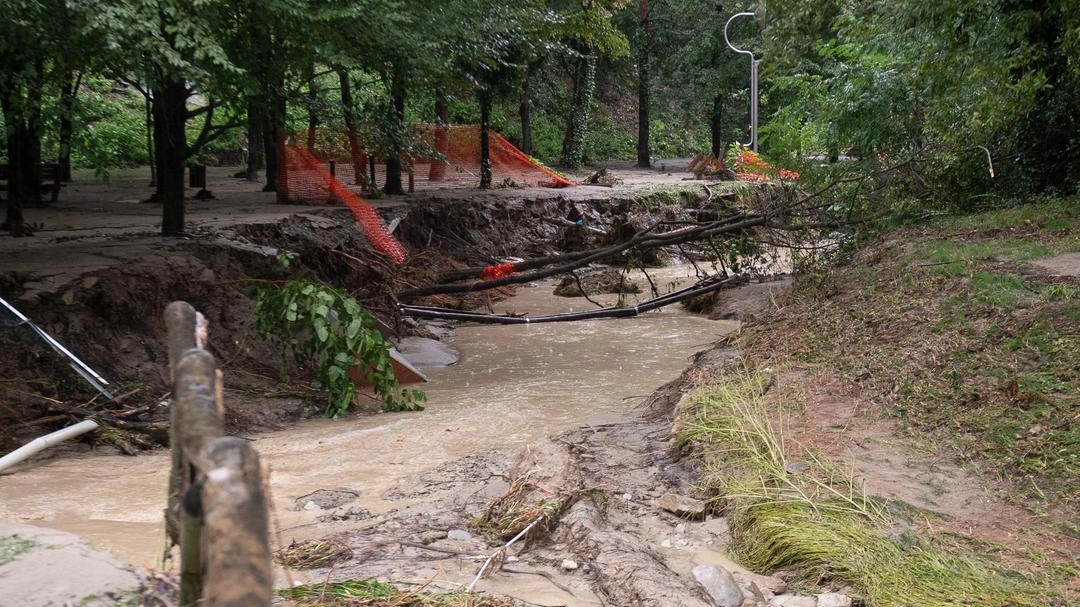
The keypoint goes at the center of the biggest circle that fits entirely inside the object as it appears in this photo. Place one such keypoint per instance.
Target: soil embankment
(635, 511)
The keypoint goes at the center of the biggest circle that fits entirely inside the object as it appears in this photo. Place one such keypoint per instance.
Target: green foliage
(340, 335)
(109, 126)
(889, 81)
(13, 546)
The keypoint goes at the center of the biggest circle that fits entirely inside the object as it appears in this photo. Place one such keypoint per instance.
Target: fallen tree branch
(702, 287)
(643, 239)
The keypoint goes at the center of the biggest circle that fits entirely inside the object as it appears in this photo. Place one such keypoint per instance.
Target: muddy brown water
(513, 384)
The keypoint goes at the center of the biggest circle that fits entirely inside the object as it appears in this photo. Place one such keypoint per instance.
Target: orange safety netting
(443, 156)
(460, 146)
(751, 167)
(302, 177)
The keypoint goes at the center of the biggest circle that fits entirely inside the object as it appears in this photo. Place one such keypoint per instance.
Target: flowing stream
(513, 384)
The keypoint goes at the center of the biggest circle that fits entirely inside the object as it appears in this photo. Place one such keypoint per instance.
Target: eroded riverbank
(513, 385)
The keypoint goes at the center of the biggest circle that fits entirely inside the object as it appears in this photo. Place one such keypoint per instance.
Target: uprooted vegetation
(790, 509)
(961, 337)
(373, 593)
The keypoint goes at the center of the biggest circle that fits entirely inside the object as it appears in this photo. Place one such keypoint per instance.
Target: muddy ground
(634, 526)
(97, 276)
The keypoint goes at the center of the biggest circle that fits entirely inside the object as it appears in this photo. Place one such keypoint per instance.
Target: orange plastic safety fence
(751, 167)
(497, 271)
(457, 158)
(304, 178)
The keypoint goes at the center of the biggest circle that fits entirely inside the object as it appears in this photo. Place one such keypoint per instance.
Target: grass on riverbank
(373, 593)
(809, 516)
(955, 332)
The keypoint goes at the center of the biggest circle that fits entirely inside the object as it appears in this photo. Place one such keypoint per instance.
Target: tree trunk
(151, 146)
(273, 132)
(170, 97)
(716, 119)
(525, 109)
(256, 156)
(485, 145)
(573, 150)
(68, 91)
(312, 109)
(18, 153)
(437, 171)
(355, 153)
(644, 159)
(393, 156)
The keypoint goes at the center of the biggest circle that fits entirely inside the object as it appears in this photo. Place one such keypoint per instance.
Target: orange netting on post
(302, 177)
(460, 147)
(443, 156)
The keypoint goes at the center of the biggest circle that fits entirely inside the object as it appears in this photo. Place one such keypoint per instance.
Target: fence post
(180, 324)
(217, 507)
(237, 528)
(200, 423)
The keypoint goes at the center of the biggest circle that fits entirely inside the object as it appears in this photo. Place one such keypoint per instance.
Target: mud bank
(99, 283)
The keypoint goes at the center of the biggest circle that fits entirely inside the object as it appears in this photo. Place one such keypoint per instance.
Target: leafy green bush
(340, 335)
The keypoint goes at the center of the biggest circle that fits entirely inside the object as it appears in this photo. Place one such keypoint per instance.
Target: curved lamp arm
(728, 41)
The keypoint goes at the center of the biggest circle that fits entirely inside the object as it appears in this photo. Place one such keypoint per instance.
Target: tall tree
(644, 52)
(36, 41)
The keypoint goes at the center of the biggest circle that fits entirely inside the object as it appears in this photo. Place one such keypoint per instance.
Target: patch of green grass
(1052, 215)
(1000, 290)
(374, 593)
(12, 547)
(814, 519)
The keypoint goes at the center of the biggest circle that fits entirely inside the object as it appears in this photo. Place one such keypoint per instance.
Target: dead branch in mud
(707, 285)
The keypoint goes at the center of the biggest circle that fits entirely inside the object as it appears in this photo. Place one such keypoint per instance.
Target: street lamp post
(754, 62)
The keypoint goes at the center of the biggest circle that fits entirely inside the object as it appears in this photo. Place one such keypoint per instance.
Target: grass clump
(510, 513)
(374, 593)
(312, 554)
(790, 509)
(12, 547)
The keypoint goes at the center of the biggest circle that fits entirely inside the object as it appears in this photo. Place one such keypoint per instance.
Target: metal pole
(753, 79)
(80, 367)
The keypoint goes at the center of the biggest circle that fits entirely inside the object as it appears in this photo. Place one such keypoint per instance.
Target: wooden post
(238, 563)
(180, 323)
(195, 405)
(222, 523)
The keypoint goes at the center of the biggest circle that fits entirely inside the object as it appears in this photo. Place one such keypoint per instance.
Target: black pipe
(704, 286)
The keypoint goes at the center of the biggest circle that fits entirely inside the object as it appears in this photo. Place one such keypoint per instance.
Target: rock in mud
(769, 584)
(459, 535)
(793, 600)
(325, 499)
(608, 280)
(50, 567)
(681, 506)
(568, 565)
(719, 584)
(833, 599)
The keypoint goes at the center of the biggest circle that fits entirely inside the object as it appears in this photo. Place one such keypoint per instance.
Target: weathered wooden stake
(222, 523)
(238, 564)
(180, 323)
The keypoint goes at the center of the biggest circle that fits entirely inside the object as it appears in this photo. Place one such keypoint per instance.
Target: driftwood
(705, 286)
(217, 509)
(644, 239)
